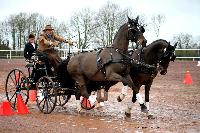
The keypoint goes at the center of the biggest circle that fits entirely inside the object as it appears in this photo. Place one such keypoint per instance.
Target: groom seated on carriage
(46, 43)
(30, 47)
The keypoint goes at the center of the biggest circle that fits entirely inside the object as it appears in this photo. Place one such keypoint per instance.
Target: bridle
(134, 33)
(168, 55)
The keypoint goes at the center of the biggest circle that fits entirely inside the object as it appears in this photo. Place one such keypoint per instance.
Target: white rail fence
(184, 54)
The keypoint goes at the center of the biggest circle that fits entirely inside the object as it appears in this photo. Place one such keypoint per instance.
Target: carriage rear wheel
(46, 95)
(16, 83)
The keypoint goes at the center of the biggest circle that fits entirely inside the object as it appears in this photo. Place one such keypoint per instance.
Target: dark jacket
(29, 50)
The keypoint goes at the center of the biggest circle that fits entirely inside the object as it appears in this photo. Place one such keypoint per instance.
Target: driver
(47, 40)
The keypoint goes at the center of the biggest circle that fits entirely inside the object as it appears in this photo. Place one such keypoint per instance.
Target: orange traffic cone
(32, 95)
(188, 78)
(6, 109)
(21, 107)
(85, 103)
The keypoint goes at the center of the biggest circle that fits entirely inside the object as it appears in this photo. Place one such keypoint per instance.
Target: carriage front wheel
(16, 83)
(46, 95)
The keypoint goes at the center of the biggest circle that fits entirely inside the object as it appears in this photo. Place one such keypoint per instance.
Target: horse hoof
(143, 108)
(151, 117)
(128, 114)
(119, 99)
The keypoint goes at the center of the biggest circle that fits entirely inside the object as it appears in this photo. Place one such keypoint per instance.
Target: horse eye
(133, 30)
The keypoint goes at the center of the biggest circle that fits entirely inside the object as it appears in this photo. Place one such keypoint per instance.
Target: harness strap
(101, 65)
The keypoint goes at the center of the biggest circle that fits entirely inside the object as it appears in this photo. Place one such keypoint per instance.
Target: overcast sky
(182, 16)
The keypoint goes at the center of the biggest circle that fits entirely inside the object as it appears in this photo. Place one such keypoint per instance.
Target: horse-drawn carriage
(79, 74)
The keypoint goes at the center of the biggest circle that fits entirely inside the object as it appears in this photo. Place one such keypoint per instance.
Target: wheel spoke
(15, 101)
(12, 80)
(12, 96)
(52, 100)
(41, 101)
(12, 85)
(59, 100)
(24, 94)
(46, 101)
(43, 106)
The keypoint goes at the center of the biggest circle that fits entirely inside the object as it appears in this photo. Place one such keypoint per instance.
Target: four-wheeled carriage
(49, 90)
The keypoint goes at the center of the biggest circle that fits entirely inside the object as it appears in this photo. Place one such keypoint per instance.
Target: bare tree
(21, 25)
(81, 23)
(13, 30)
(157, 21)
(4, 33)
(184, 41)
(107, 19)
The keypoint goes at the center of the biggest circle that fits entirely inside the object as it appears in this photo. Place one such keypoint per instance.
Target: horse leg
(136, 97)
(81, 84)
(105, 95)
(78, 99)
(123, 93)
(147, 89)
(129, 105)
(127, 80)
(104, 98)
(99, 97)
(141, 102)
(84, 93)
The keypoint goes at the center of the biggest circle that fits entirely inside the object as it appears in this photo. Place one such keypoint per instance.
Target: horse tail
(64, 77)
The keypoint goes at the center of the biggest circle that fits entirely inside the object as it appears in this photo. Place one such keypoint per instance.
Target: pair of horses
(156, 57)
(91, 70)
(111, 64)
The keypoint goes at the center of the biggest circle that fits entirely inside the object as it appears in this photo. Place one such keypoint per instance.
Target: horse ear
(129, 20)
(137, 18)
(136, 21)
(175, 44)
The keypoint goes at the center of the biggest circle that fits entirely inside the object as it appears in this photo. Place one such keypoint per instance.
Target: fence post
(10, 54)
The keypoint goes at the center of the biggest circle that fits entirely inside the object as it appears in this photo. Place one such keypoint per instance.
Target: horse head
(167, 56)
(135, 32)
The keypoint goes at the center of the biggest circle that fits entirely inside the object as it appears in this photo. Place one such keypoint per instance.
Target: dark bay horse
(159, 53)
(111, 64)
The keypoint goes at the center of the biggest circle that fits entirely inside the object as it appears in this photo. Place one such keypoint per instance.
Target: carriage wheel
(62, 99)
(46, 95)
(16, 82)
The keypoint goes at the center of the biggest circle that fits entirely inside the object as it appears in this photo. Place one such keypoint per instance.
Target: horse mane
(119, 31)
(160, 43)
(152, 48)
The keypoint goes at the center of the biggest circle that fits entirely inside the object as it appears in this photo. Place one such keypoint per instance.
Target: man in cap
(47, 40)
(30, 47)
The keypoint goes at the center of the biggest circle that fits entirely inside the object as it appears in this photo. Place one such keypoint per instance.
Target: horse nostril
(164, 72)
